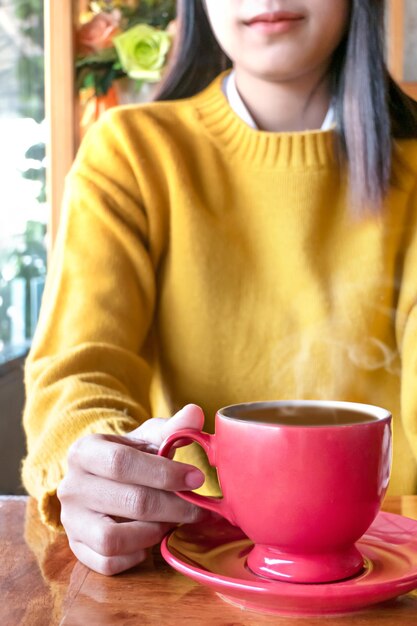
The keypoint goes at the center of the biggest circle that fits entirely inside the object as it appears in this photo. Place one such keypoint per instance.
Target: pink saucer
(215, 556)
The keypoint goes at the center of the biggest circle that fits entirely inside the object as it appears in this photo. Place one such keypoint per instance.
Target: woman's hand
(117, 498)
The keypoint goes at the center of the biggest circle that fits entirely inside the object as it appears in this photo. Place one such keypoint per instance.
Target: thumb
(190, 416)
(155, 430)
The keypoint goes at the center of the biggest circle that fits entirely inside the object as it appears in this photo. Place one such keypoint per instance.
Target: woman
(252, 236)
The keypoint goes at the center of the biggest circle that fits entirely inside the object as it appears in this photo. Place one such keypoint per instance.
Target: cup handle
(207, 442)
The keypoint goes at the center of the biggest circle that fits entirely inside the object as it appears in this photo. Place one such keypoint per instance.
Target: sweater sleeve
(89, 368)
(406, 325)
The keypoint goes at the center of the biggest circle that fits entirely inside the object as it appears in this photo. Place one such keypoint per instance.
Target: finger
(191, 416)
(107, 565)
(110, 538)
(125, 464)
(157, 429)
(136, 503)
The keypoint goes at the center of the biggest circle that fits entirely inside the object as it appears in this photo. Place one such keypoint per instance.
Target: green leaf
(137, 86)
(108, 55)
(85, 78)
(89, 81)
(36, 152)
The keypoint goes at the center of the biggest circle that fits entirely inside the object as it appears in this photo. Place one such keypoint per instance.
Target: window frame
(396, 38)
(60, 104)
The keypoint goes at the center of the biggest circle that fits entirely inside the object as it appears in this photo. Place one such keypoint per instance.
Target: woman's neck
(287, 106)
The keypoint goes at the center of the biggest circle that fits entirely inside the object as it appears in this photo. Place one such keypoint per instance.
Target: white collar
(239, 107)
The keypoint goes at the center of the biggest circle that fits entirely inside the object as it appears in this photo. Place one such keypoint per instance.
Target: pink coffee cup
(304, 480)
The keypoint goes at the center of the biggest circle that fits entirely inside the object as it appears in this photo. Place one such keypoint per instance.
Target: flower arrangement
(120, 39)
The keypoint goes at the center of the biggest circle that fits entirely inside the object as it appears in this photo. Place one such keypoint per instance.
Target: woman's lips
(277, 22)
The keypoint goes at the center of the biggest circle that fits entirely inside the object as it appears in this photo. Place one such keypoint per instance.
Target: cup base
(274, 564)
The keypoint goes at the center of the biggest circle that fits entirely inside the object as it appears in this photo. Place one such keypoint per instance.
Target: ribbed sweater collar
(300, 149)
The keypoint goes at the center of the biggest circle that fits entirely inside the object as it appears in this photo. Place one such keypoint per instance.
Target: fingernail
(194, 479)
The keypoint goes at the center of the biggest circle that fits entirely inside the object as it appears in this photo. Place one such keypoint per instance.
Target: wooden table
(42, 584)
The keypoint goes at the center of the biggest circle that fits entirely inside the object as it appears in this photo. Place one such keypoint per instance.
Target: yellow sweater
(199, 260)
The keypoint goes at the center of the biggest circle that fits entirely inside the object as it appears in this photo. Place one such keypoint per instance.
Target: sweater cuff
(41, 478)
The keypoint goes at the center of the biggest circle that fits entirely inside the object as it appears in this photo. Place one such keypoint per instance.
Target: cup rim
(376, 413)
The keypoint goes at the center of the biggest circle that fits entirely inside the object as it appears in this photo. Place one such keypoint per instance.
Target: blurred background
(62, 63)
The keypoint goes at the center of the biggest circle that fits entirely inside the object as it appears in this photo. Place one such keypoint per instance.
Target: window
(410, 47)
(402, 47)
(23, 209)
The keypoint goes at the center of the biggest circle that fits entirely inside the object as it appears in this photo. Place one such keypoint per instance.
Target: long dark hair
(371, 109)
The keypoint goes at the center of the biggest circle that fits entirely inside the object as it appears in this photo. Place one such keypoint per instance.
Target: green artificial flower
(142, 52)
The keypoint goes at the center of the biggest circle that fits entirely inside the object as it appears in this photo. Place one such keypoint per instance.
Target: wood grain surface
(42, 584)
